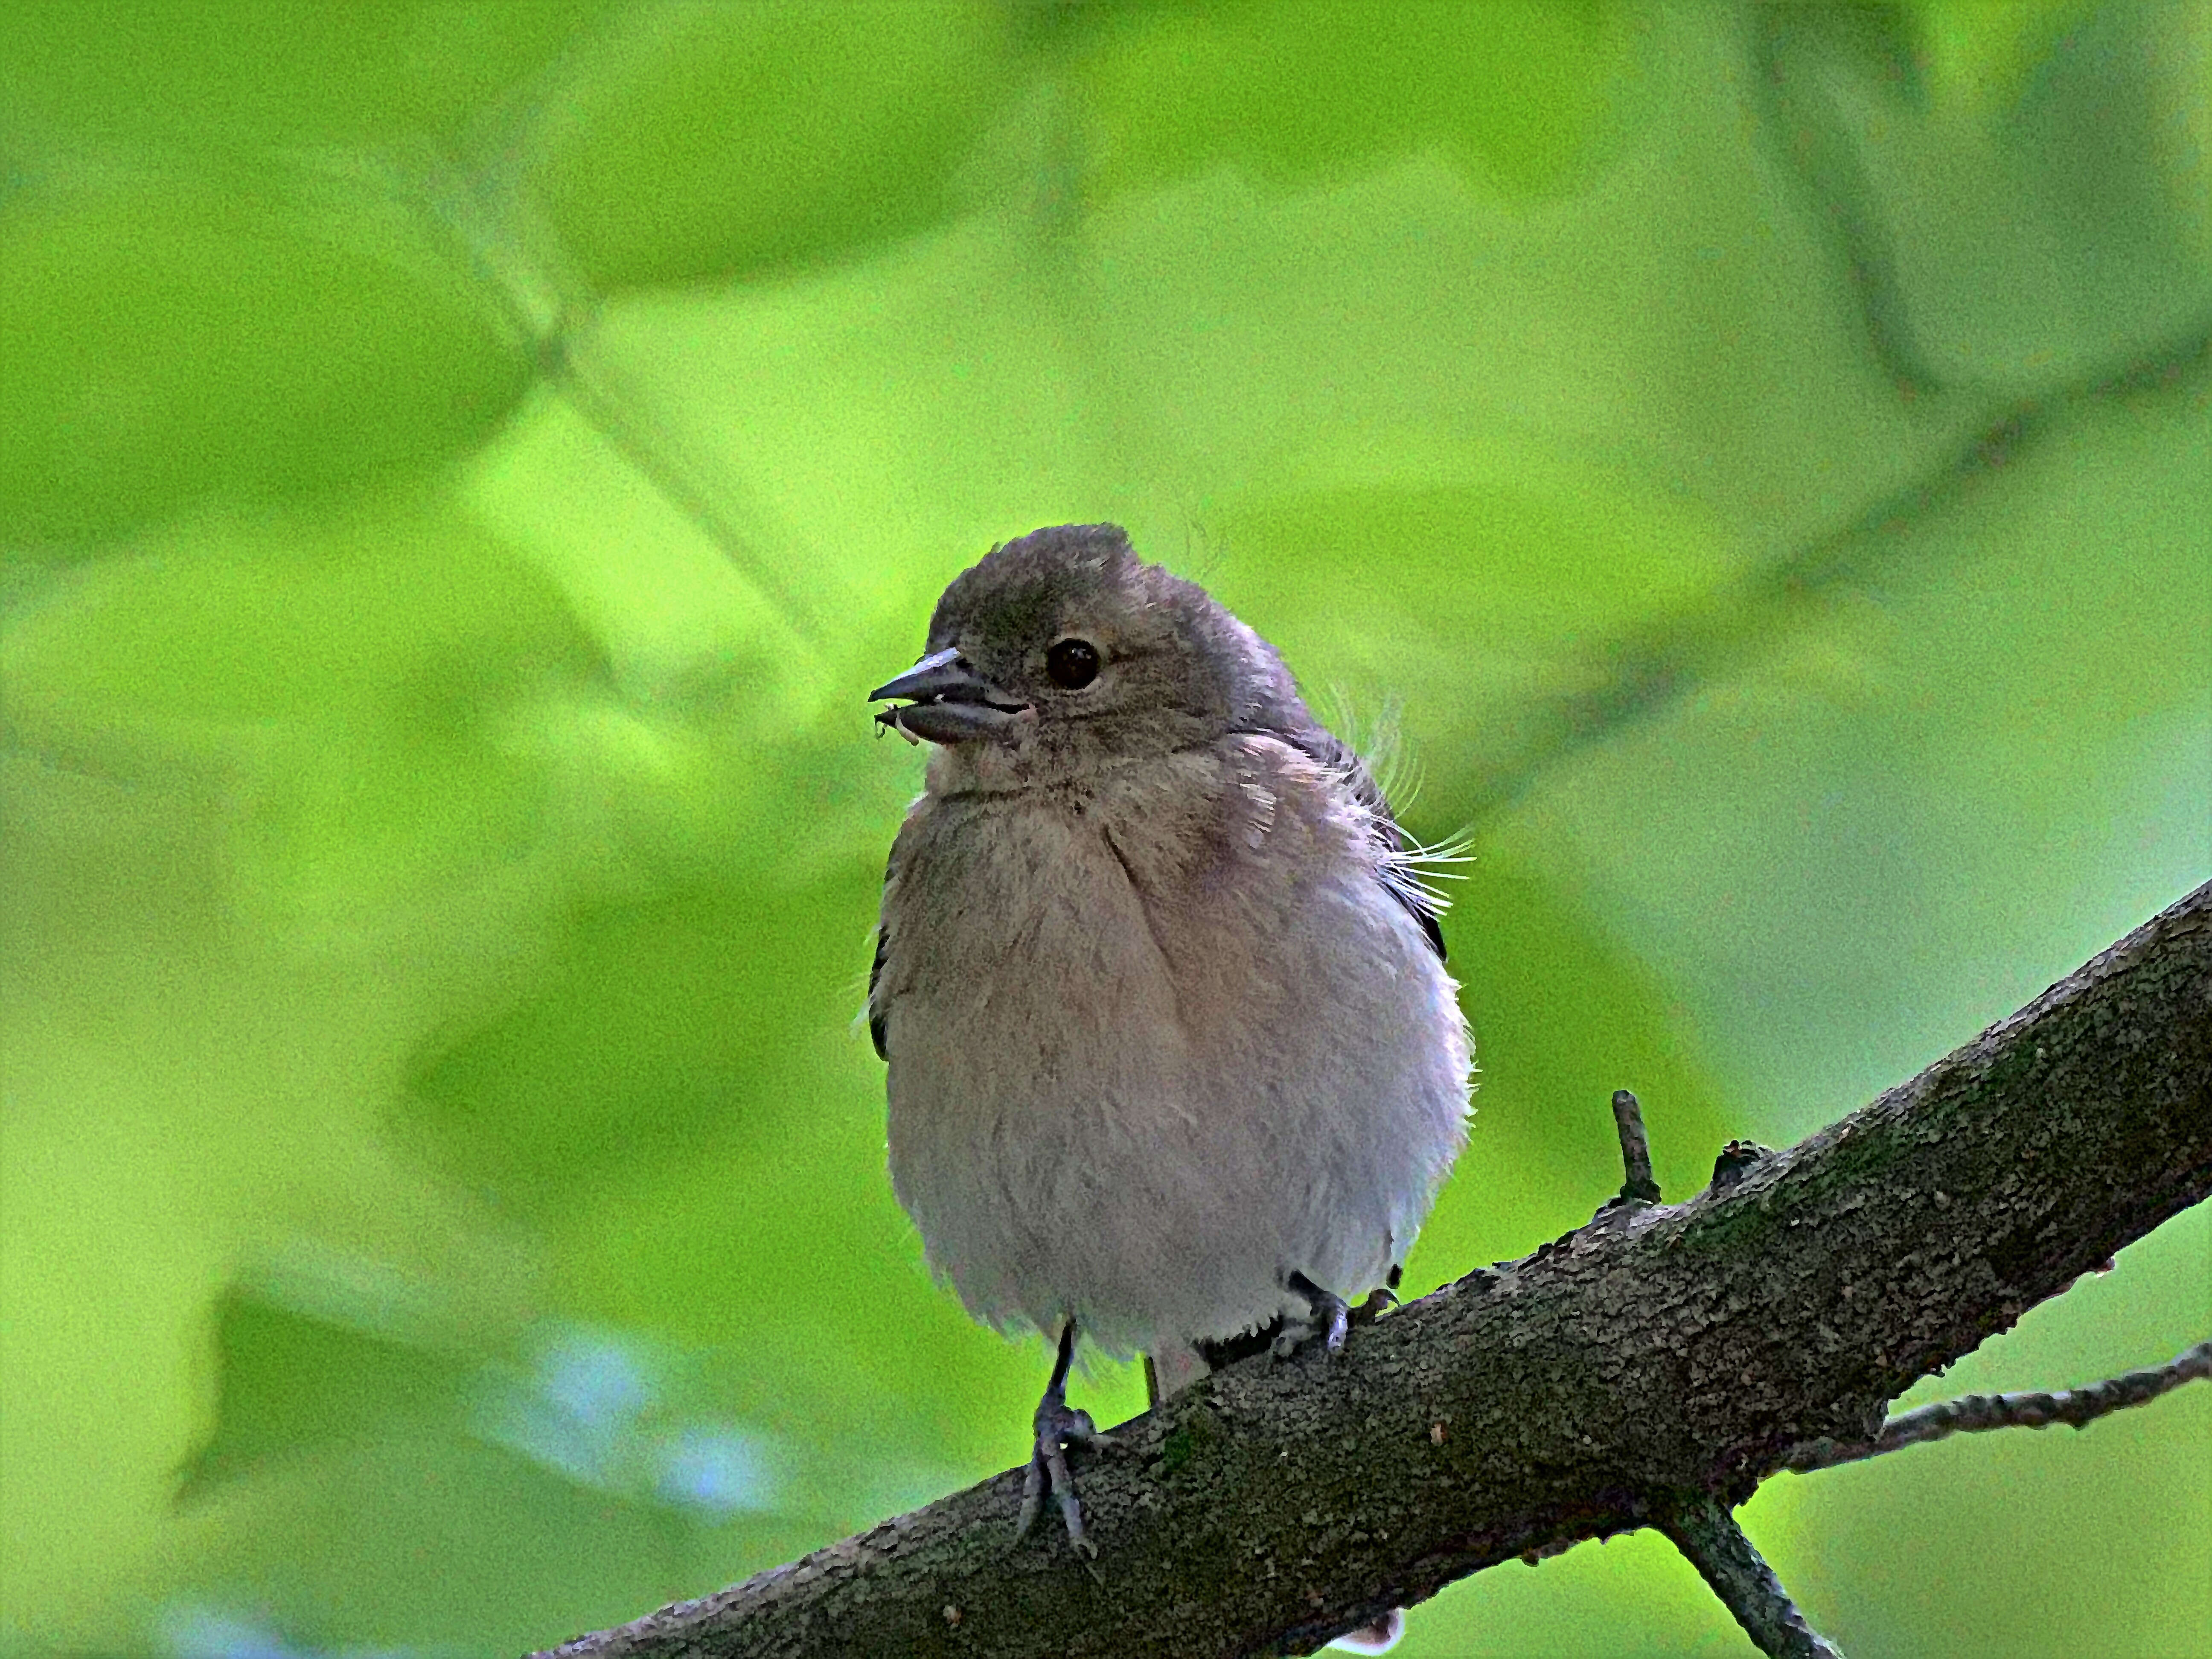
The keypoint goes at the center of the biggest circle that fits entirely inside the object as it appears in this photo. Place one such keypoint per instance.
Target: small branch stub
(1736, 1159)
(1635, 1149)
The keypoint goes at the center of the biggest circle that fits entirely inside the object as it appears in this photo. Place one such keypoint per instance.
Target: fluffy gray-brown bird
(1174, 1059)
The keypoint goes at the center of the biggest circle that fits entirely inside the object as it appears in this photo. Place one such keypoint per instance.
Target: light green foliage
(1757, 459)
(238, 74)
(1998, 140)
(692, 141)
(166, 340)
(1306, 89)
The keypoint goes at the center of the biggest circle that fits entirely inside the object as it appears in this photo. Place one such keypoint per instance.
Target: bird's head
(1064, 650)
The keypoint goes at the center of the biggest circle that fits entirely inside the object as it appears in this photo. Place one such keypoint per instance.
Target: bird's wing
(875, 1008)
(878, 1014)
(1399, 849)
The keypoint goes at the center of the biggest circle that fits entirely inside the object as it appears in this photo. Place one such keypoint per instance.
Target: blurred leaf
(659, 1024)
(1484, 605)
(234, 71)
(2011, 241)
(319, 1351)
(1300, 90)
(2185, 104)
(356, 1423)
(453, 1546)
(365, 668)
(1982, 54)
(394, 607)
(290, 1379)
(168, 341)
(1850, 849)
(701, 140)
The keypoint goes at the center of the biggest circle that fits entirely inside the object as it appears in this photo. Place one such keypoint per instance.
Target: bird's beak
(948, 701)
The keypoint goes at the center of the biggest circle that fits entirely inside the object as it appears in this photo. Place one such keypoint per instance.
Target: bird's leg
(1057, 1428)
(1329, 1310)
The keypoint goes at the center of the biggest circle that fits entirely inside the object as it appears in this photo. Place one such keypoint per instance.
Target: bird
(1174, 1059)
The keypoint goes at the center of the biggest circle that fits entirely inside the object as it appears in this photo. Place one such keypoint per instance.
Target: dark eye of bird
(1072, 664)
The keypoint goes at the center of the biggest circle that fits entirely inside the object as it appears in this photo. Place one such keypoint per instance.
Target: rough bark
(1661, 1356)
(1705, 1532)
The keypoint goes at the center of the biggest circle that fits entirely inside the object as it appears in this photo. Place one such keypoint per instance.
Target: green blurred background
(461, 466)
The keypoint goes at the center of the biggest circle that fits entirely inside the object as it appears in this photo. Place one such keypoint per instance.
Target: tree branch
(1705, 1531)
(1972, 1413)
(1611, 1381)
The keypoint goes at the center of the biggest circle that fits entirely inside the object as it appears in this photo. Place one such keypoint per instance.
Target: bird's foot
(1328, 1316)
(1057, 1426)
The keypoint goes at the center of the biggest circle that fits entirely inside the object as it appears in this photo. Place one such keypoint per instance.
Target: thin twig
(1971, 1413)
(1708, 1536)
(1635, 1148)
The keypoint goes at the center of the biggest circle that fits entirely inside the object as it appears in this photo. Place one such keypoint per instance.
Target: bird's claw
(1330, 1312)
(1379, 1302)
(1058, 1427)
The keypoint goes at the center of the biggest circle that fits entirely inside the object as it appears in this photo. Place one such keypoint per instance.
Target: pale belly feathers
(1156, 1045)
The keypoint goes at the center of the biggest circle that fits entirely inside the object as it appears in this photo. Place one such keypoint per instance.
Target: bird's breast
(1033, 921)
(1138, 1035)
